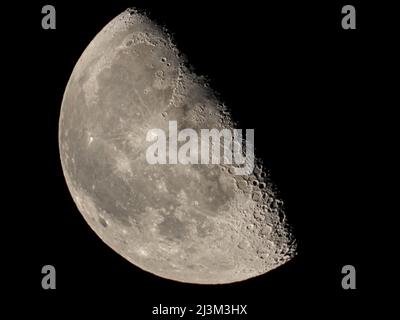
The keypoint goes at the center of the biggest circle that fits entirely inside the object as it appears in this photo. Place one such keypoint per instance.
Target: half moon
(189, 223)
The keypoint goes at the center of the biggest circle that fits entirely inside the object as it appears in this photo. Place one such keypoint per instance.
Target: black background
(309, 89)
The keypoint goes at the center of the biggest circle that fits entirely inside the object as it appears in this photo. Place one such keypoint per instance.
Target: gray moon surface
(188, 223)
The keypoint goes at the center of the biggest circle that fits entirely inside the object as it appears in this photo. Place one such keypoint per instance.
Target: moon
(189, 223)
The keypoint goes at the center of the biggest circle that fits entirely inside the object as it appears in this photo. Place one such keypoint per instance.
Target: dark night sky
(288, 70)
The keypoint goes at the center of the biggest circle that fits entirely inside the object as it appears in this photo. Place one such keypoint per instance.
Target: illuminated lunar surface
(189, 223)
